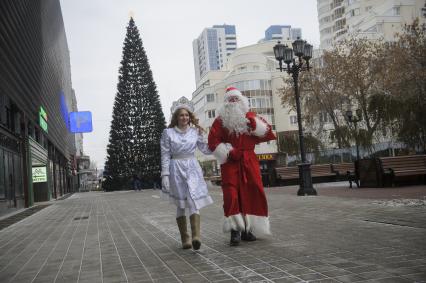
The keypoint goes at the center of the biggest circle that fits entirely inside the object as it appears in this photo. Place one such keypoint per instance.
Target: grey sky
(96, 29)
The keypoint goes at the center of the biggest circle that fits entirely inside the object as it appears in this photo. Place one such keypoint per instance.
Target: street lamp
(354, 120)
(303, 51)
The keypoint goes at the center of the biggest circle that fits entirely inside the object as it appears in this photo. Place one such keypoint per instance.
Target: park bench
(403, 166)
(287, 173)
(322, 170)
(346, 171)
(292, 172)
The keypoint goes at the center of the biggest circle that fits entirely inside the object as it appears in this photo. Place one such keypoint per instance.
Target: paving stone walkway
(132, 237)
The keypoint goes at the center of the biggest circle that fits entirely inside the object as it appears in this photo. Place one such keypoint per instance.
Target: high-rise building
(372, 19)
(285, 32)
(212, 48)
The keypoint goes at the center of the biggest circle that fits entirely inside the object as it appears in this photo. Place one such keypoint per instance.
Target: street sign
(81, 122)
(39, 174)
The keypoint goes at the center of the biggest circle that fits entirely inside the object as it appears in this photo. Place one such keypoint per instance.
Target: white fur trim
(261, 128)
(233, 222)
(257, 224)
(221, 153)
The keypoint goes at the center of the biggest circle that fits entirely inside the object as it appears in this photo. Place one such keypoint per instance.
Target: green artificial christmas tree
(137, 120)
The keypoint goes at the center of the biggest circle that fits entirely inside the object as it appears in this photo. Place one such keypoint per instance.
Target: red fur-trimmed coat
(245, 205)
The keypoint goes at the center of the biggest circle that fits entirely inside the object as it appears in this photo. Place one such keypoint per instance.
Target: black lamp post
(354, 120)
(283, 53)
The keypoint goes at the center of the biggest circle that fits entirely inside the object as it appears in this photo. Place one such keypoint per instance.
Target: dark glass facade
(35, 83)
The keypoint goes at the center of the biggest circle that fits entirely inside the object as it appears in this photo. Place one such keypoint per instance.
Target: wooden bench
(322, 170)
(346, 171)
(292, 172)
(402, 166)
(287, 173)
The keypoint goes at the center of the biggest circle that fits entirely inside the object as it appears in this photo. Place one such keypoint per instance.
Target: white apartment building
(212, 48)
(251, 69)
(372, 19)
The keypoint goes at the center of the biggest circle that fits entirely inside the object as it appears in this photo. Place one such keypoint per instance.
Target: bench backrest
(291, 172)
(403, 162)
(342, 168)
(321, 168)
(287, 170)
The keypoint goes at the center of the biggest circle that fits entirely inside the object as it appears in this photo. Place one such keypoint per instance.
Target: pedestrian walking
(136, 183)
(181, 176)
(232, 139)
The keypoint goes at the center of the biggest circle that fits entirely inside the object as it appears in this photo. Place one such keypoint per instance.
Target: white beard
(233, 116)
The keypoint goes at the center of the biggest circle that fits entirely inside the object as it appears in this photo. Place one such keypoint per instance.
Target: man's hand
(235, 154)
(165, 183)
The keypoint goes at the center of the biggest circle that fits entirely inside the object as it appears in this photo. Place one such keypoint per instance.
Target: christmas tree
(137, 119)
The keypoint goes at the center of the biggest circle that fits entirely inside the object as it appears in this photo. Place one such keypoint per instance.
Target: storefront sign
(39, 174)
(266, 156)
(43, 119)
(43, 113)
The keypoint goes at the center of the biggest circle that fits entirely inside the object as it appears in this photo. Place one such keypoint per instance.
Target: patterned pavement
(132, 237)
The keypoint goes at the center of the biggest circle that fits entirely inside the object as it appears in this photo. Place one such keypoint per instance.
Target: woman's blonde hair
(192, 119)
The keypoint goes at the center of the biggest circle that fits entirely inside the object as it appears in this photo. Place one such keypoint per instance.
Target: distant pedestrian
(182, 179)
(136, 183)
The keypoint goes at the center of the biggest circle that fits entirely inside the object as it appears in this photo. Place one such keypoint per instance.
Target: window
(210, 97)
(293, 119)
(324, 117)
(210, 114)
(256, 68)
(396, 11)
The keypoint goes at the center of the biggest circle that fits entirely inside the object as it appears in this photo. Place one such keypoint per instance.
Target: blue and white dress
(187, 185)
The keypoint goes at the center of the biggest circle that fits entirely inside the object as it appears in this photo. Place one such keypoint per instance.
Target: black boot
(248, 236)
(235, 238)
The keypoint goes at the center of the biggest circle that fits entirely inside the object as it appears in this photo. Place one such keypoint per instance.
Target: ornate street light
(354, 120)
(303, 52)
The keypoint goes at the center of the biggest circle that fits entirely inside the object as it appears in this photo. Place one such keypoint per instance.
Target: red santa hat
(234, 92)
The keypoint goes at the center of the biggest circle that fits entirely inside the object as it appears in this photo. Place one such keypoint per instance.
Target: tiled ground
(132, 237)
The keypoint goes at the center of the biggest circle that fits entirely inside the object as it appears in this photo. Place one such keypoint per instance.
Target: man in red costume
(232, 139)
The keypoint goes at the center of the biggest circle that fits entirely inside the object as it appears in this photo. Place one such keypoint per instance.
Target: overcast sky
(96, 29)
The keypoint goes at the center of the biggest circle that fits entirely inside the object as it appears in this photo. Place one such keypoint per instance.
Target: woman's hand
(165, 183)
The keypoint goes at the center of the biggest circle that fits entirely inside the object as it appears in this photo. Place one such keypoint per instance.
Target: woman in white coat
(181, 175)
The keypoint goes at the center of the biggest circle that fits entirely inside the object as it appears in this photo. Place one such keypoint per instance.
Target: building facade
(282, 32)
(373, 19)
(36, 148)
(212, 48)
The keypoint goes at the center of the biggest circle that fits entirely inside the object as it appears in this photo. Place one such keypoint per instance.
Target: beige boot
(195, 228)
(184, 236)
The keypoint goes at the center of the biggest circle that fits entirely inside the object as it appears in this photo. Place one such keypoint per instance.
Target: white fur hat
(234, 92)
